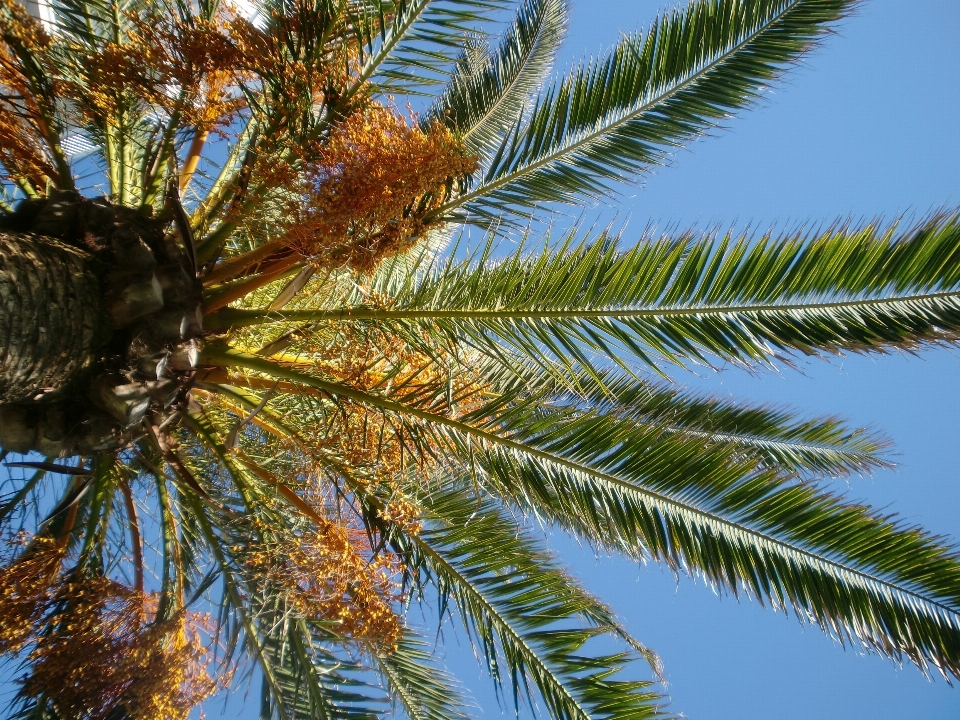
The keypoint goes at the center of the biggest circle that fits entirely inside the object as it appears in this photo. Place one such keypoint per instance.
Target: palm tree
(277, 385)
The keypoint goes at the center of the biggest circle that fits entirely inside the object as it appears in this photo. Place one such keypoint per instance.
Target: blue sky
(867, 126)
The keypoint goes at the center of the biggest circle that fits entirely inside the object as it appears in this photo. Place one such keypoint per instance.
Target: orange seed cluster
(192, 69)
(326, 575)
(370, 184)
(105, 655)
(107, 650)
(24, 112)
(381, 362)
(27, 587)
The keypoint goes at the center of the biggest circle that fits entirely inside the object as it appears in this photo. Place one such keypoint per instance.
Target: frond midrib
(386, 48)
(759, 440)
(627, 117)
(362, 313)
(532, 656)
(399, 686)
(509, 87)
(263, 365)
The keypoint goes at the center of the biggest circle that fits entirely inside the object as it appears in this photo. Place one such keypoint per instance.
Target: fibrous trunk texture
(51, 315)
(100, 319)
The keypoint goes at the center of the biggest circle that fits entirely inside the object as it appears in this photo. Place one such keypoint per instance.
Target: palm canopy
(359, 420)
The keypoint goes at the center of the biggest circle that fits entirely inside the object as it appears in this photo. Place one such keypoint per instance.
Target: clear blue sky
(867, 126)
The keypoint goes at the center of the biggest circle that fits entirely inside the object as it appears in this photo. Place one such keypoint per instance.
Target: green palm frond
(489, 95)
(527, 618)
(415, 43)
(306, 669)
(859, 575)
(92, 21)
(423, 690)
(134, 140)
(775, 436)
(237, 621)
(693, 299)
(314, 680)
(630, 488)
(613, 118)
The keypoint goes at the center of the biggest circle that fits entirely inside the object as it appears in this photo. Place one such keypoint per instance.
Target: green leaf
(530, 620)
(697, 299)
(774, 436)
(416, 42)
(612, 118)
(858, 574)
(424, 691)
(488, 95)
(316, 677)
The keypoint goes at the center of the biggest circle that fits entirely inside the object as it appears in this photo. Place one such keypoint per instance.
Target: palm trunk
(51, 315)
(99, 316)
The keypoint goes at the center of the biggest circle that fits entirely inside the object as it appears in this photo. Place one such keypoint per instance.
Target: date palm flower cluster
(261, 395)
(104, 653)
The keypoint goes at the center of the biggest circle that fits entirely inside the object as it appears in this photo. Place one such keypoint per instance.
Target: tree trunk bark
(100, 314)
(52, 319)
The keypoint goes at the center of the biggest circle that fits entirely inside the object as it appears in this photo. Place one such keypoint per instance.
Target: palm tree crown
(289, 401)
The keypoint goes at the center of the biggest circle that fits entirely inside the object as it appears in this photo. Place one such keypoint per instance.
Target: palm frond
(860, 575)
(422, 418)
(774, 436)
(488, 95)
(90, 22)
(306, 669)
(423, 690)
(414, 44)
(615, 117)
(237, 625)
(691, 299)
(129, 137)
(314, 680)
(528, 618)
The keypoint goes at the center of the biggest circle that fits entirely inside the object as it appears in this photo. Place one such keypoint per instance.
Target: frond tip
(528, 619)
